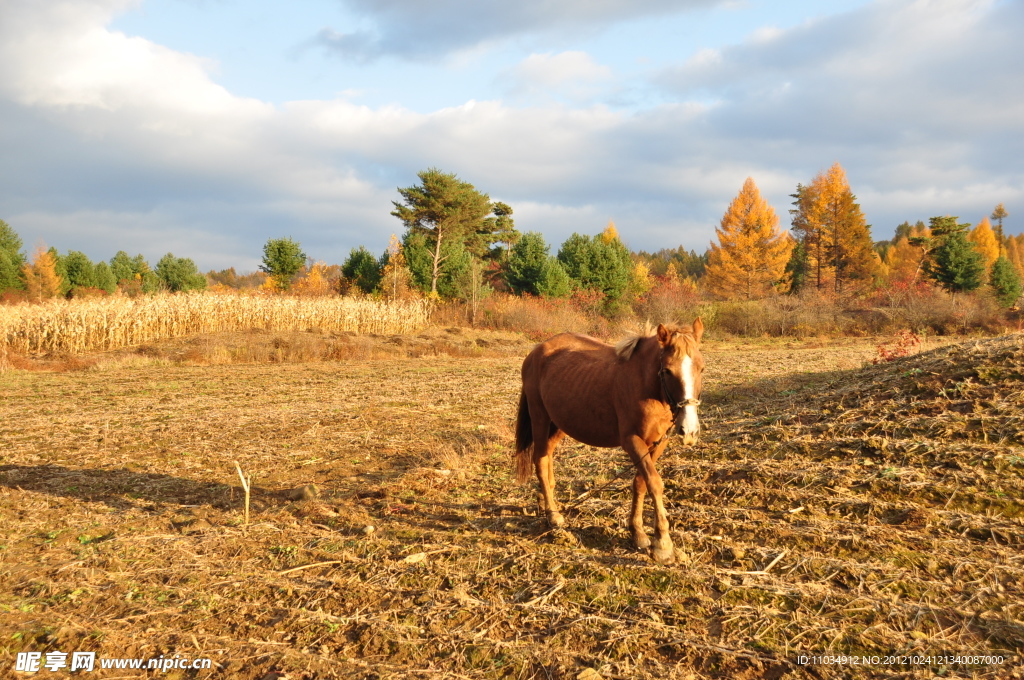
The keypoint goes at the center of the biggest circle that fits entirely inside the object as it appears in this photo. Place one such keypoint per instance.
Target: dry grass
(831, 508)
(77, 326)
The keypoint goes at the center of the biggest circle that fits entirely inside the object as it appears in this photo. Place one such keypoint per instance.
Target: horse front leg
(636, 514)
(648, 479)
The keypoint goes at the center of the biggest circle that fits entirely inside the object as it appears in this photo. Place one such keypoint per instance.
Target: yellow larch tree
(640, 282)
(41, 276)
(396, 280)
(610, 233)
(750, 258)
(1015, 254)
(314, 283)
(985, 242)
(835, 234)
(904, 261)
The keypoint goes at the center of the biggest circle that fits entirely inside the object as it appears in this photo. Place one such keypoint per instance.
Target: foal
(630, 395)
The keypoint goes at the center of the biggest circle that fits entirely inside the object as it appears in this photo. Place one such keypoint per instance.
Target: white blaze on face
(691, 425)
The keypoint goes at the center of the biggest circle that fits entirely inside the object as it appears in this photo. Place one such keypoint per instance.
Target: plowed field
(832, 509)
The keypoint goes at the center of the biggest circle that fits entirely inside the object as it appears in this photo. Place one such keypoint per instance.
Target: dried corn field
(832, 508)
(76, 326)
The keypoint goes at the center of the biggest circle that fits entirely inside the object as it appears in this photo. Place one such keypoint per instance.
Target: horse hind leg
(545, 437)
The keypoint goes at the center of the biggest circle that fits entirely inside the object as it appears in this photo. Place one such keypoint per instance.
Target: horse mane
(624, 348)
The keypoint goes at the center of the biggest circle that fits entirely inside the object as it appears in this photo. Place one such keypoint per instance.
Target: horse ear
(698, 328)
(663, 334)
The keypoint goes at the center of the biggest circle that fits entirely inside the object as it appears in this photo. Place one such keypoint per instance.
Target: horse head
(680, 374)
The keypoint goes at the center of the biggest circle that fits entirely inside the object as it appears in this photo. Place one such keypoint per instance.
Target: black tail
(524, 441)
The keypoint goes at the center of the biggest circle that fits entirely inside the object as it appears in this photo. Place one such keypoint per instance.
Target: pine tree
(602, 263)
(179, 274)
(446, 211)
(1005, 282)
(998, 215)
(531, 269)
(79, 270)
(750, 260)
(362, 269)
(11, 259)
(282, 259)
(955, 264)
(104, 278)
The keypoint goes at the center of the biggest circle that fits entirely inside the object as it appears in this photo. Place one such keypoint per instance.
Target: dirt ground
(833, 508)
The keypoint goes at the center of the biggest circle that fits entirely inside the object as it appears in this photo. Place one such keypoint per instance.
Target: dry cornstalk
(245, 487)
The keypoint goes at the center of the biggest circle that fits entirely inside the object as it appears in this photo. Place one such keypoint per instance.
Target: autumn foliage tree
(836, 237)
(985, 242)
(395, 280)
(750, 258)
(41, 278)
(904, 260)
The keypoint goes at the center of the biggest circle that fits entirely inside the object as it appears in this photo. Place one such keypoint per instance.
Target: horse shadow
(123, 489)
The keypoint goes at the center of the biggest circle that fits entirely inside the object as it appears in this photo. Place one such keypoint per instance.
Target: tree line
(50, 274)
(459, 244)
(830, 248)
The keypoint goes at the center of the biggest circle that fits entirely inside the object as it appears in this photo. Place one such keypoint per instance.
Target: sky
(206, 127)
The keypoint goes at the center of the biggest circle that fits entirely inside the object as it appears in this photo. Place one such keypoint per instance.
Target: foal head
(680, 374)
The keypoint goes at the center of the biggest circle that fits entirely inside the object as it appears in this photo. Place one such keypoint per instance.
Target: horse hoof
(664, 555)
(556, 520)
(641, 541)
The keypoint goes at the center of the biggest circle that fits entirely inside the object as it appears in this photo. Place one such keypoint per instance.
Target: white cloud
(566, 76)
(114, 142)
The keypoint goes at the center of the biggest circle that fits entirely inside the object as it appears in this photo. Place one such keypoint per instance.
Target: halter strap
(674, 406)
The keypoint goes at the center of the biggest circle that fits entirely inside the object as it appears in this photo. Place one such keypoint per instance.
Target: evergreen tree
(79, 270)
(750, 259)
(954, 264)
(451, 215)
(1005, 282)
(11, 259)
(179, 274)
(60, 270)
(362, 269)
(503, 231)
(601, 263)
(282, 259)
(122, 267)
(103, 277)
(532, 270)
(798, 267)
(998, 215)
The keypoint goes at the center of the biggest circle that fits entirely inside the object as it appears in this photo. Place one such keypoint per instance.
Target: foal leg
(544, 442)
(648, 479)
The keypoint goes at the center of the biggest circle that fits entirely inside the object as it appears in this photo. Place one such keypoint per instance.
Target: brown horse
(629, 395)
